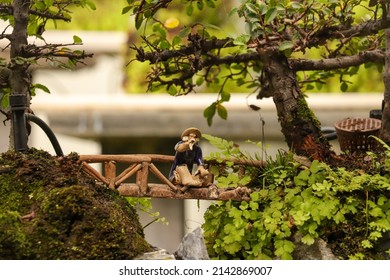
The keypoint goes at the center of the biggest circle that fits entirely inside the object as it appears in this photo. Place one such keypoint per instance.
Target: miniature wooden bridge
(140, 166)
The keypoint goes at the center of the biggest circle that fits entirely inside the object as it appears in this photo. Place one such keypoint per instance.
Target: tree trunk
(385, 131)
(301, 129)
(20, 79)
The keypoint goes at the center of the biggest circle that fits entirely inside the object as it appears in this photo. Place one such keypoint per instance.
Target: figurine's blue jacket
(189, 157)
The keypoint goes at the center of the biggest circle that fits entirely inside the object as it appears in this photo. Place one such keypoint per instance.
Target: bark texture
(300, 127)
(385, 131)
(20, 80)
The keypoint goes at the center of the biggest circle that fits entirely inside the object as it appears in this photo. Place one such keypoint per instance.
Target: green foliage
(228, 174)
(350, 209)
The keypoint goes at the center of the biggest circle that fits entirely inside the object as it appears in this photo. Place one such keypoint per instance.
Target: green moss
(305, 113)
(51, 210)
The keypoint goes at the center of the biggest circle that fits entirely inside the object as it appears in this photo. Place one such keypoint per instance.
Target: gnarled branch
(377, 56)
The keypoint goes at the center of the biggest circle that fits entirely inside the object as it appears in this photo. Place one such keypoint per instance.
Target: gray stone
(192, 247)
(319, 250)
(160, 254)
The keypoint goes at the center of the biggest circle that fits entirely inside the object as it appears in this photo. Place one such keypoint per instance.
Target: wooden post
(142, 177)
(110, 173)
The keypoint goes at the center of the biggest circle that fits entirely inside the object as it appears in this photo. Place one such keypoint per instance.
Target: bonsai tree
(50, 208)
(27, 18)
(285, 46)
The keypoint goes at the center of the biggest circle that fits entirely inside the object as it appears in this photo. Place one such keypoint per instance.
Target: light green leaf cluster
(145, 205)
(228, 175)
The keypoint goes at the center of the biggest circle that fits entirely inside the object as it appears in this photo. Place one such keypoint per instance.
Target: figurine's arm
(186, 144)
(182, 147)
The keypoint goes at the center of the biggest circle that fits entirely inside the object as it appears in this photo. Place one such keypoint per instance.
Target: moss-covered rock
(50, 209)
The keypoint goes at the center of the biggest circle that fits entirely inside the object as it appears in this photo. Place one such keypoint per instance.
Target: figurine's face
(191, 138)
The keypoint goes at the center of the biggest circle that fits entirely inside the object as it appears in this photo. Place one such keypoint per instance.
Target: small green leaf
(251, 8)
(48, 3)
(222, 112)
(344, 87)
(225, 96)
(200, 5)
(138, 21)
(77, 39)
(5, 101)
(241, 40)
(39, 5)
(199, 81)
(270, 15)
(319, 85)
(381, 200)
(189, 10)
(210, 3)
(126, 9)
(164, 44)
(376, 212)
(302, 178)
(245, 180)
(315, 166)
(209, 113)
(309, 87)
(254, 205)
(176, 41)
(172, 90)
(42, 87)
(91, 5)
(285, 45)
(254, 196)
(367, 244)
(308, 239)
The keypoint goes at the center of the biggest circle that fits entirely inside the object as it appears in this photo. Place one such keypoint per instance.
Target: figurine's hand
(191, 143)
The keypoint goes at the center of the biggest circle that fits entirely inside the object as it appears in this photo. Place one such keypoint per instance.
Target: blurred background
(102, 107)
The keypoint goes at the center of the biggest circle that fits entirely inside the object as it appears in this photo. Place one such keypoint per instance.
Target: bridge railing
(141, 165)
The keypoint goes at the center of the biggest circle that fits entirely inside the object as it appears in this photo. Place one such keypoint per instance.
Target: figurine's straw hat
(193, 130)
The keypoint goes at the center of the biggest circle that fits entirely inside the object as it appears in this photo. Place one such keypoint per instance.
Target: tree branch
(340, 32)
(377, 56)
(365, 29)
(6, 9)
(230, 59)
(196, 44)
(53, 50)
(49, 15)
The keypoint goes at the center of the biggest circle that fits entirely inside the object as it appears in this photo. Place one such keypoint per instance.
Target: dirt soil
(51, 209)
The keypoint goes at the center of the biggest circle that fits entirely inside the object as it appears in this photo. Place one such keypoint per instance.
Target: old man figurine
(188, 154)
